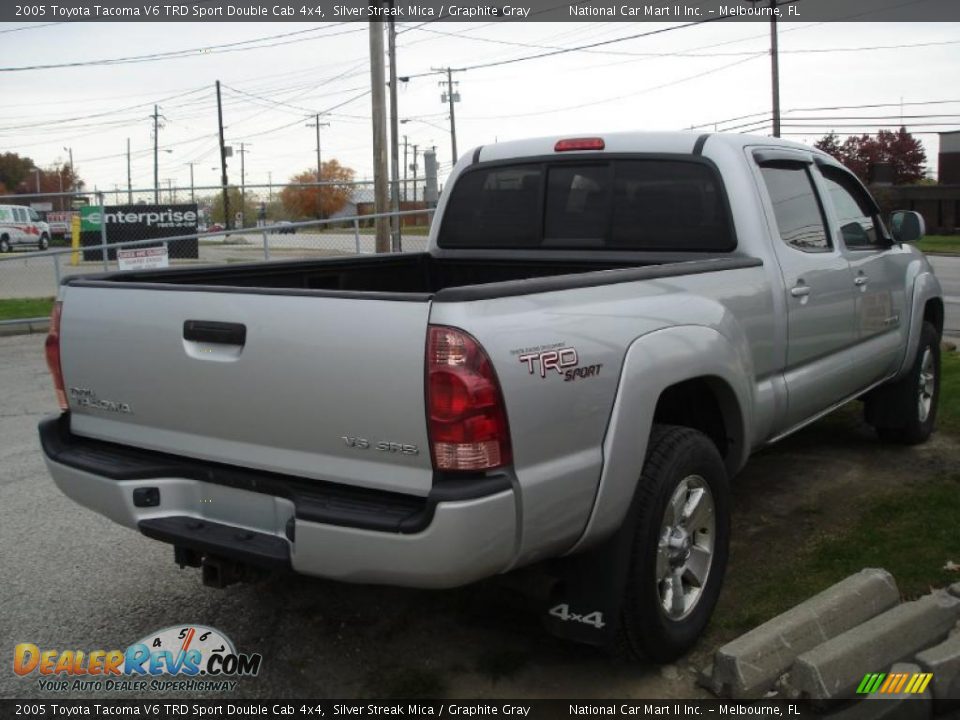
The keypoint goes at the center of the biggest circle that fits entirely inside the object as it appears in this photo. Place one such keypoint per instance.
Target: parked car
(22, 226)
(285, 227)
(601, 332)
(214, 227)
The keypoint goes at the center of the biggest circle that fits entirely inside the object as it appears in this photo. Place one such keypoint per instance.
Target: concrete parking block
(833, 669)
(943, 661)
(749, 666)
(882, 706)
(9, 329)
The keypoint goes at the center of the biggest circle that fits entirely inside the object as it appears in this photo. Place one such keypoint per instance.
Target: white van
(19, 226)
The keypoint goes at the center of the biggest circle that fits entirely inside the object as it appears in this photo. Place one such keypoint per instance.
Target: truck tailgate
(321, 387)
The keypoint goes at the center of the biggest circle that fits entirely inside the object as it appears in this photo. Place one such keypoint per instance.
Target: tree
(900, 149)
(250, 206)
(14, 170)
(319, 201)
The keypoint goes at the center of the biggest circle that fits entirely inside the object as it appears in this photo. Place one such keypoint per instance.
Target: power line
(599, 43)
(174, 54)
(619, 97)
(32, 26)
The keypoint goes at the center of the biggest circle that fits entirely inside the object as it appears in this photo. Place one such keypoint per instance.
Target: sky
(275, 76)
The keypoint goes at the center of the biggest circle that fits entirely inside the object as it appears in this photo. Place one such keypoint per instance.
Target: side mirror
(907, 226)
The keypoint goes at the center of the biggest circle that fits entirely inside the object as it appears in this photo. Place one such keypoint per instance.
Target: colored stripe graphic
(894, 683)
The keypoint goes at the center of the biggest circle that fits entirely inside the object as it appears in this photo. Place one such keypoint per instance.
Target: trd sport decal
(564, 360)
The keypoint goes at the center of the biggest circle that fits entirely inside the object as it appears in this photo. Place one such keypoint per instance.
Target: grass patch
(948, 244)
(948, 410)
(910, 532)
(25, 308)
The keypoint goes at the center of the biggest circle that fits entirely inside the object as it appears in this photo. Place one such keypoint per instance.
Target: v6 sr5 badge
(565, 361)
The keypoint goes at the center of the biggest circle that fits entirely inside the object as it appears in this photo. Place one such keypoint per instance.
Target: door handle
(800, 291)
(860, 280)
(210, 331)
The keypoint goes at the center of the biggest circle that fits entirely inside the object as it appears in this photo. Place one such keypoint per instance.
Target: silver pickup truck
(600, 333)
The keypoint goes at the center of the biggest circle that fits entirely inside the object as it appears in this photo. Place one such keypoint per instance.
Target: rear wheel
(680, 546)
(4, 244)
(905, 412)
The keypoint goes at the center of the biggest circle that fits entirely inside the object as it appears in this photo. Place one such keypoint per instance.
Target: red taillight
(52, 348)
(465, 412)
(579, 144)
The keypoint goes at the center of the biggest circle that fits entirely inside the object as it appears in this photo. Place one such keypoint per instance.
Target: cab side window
(21, 215)
(796, 206)
(860, 227)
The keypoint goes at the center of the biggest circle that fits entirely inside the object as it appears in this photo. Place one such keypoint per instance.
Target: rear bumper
(463, 532)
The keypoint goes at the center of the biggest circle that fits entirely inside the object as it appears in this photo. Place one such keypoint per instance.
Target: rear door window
(625, 204)
(796, 206)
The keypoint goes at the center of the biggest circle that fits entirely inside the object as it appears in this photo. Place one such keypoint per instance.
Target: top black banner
(672, 11)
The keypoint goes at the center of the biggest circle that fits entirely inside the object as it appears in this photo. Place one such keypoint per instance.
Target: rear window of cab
(622, 205)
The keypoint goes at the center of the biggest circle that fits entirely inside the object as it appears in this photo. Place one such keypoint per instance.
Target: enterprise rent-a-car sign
(139, 222)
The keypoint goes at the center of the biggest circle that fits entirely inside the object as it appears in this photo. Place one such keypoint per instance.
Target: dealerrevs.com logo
(177, 658)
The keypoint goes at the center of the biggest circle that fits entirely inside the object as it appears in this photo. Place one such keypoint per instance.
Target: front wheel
(905, 412)
(680, 546)
(44, 242)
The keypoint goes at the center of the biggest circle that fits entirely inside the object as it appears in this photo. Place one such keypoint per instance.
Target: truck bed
(419, 276)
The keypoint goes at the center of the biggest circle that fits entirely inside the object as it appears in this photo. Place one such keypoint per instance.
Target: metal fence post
(356, 234)
(56, 273)
(103, 232)
(266, 246)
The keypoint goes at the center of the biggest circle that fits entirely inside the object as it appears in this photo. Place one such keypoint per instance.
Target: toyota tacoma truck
(600, 332)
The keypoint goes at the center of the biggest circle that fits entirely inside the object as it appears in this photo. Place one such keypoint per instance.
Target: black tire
(675, 454)
(44, 242)
(895, 411)
(5, 244)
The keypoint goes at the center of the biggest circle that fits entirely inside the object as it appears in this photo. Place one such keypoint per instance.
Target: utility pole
(775, 69)
(156, 166)
(72, 175)
(223, 163)
(192, 198)
(379, 113)
(450, 96)
(405, 168)
(394, 135)
(243, 186)
(129, 182)
(316, 123)
(269, 186)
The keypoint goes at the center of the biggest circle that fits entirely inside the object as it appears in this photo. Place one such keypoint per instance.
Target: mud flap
(585, 603)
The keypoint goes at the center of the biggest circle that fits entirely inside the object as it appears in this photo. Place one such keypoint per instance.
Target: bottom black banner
(454, 709)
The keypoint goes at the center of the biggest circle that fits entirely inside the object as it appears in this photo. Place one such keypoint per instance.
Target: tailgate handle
(211, 331)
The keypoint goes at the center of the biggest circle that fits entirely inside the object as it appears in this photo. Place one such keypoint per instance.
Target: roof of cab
(683, 142)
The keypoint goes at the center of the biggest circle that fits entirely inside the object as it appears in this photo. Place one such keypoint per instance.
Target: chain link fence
(83, 233)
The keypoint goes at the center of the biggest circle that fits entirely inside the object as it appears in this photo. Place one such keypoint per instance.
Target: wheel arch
(667, 375)
(927, 305)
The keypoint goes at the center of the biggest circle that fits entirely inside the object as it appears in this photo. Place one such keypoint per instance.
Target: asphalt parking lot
(73, 580)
